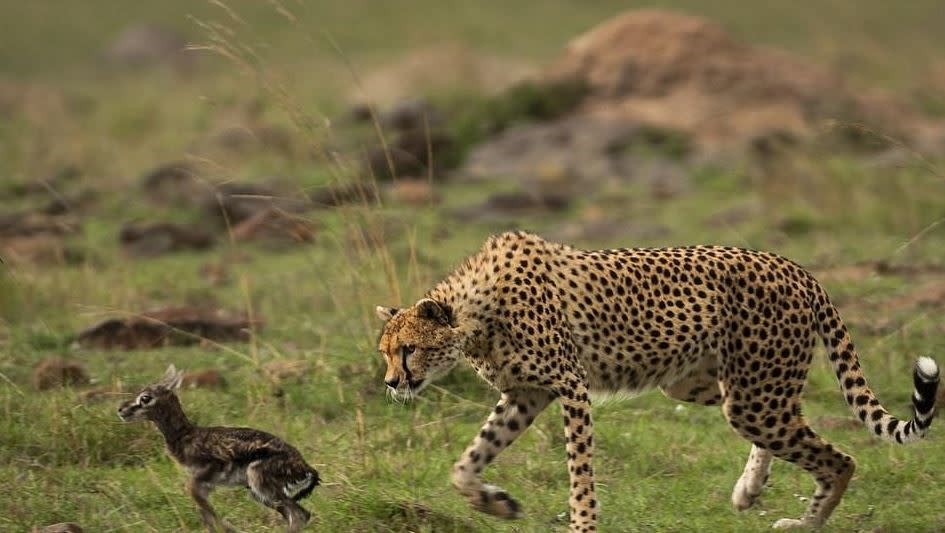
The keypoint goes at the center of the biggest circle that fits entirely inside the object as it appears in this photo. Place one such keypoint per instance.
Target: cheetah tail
(860, 398)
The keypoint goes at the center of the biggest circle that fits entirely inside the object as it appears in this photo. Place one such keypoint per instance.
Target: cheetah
(711, 325)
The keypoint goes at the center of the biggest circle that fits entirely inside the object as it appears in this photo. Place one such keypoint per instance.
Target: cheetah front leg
(753, 479)
(579, 443)
(515, 411)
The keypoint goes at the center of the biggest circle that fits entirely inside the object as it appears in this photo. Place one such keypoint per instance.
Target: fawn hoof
(495, 501)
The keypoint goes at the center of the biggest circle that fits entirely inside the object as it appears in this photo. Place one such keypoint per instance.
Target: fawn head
(153, 398)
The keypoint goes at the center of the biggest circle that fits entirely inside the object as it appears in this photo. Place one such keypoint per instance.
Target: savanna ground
(661, 466)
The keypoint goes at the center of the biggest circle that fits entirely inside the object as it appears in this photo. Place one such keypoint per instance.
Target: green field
(661, 466)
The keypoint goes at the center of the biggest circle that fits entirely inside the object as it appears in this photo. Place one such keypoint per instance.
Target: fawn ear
(430, 309)
(385, 313)
(172, 377)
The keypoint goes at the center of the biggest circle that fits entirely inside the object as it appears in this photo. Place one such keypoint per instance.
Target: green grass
(386, 466)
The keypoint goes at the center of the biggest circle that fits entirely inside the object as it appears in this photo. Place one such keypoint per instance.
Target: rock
(584, 149)
(412, 114)
(64, 204)
(172, 183)
(178, 326)
(409, 155)
(359, 112)
(232, 203)
(149, 240)
(56, 372)
(207, 378)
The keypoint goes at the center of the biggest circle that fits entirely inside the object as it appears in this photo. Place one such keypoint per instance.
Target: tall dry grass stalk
(364, 246)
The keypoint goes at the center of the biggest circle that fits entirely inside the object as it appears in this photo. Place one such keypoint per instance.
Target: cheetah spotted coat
(542, 321)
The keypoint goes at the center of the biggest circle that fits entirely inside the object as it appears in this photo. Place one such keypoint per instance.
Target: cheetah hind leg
(753, 480)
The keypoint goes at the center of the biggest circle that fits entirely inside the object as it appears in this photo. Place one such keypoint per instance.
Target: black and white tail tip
(926, 386)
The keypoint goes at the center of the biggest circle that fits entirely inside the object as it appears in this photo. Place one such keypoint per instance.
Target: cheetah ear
(385, 313)
(430, 309)
(172, 378)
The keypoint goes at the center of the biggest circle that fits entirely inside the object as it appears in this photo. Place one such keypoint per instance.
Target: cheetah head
(420, 344)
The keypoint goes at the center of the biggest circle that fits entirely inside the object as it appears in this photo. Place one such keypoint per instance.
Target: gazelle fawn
(275, 473)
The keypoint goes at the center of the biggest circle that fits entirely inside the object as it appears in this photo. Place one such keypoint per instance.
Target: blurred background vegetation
(232, 186)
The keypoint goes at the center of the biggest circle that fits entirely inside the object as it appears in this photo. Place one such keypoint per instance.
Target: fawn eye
(145, 399)
(407, 349)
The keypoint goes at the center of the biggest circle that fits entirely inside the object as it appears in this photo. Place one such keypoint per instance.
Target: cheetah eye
(145, 399)
(407, 349)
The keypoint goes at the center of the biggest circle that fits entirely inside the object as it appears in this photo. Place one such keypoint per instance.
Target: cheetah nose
(392, 383)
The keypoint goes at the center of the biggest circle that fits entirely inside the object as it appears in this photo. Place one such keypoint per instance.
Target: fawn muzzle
(129, 411)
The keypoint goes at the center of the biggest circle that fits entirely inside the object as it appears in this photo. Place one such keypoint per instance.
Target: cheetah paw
(495, 501)
(790, 523)
(743, 497)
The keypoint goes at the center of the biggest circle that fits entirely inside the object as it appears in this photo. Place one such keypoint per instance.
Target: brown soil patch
(275, 225)
(926, 295)
(38, 238)
(56, 372)
(416, 193)
(39, 250)
(32, 224)
(177, 326)
(148, 240)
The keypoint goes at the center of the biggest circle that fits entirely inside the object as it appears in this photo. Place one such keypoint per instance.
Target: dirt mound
(175, 326)
(648, 65)
(652, 53)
